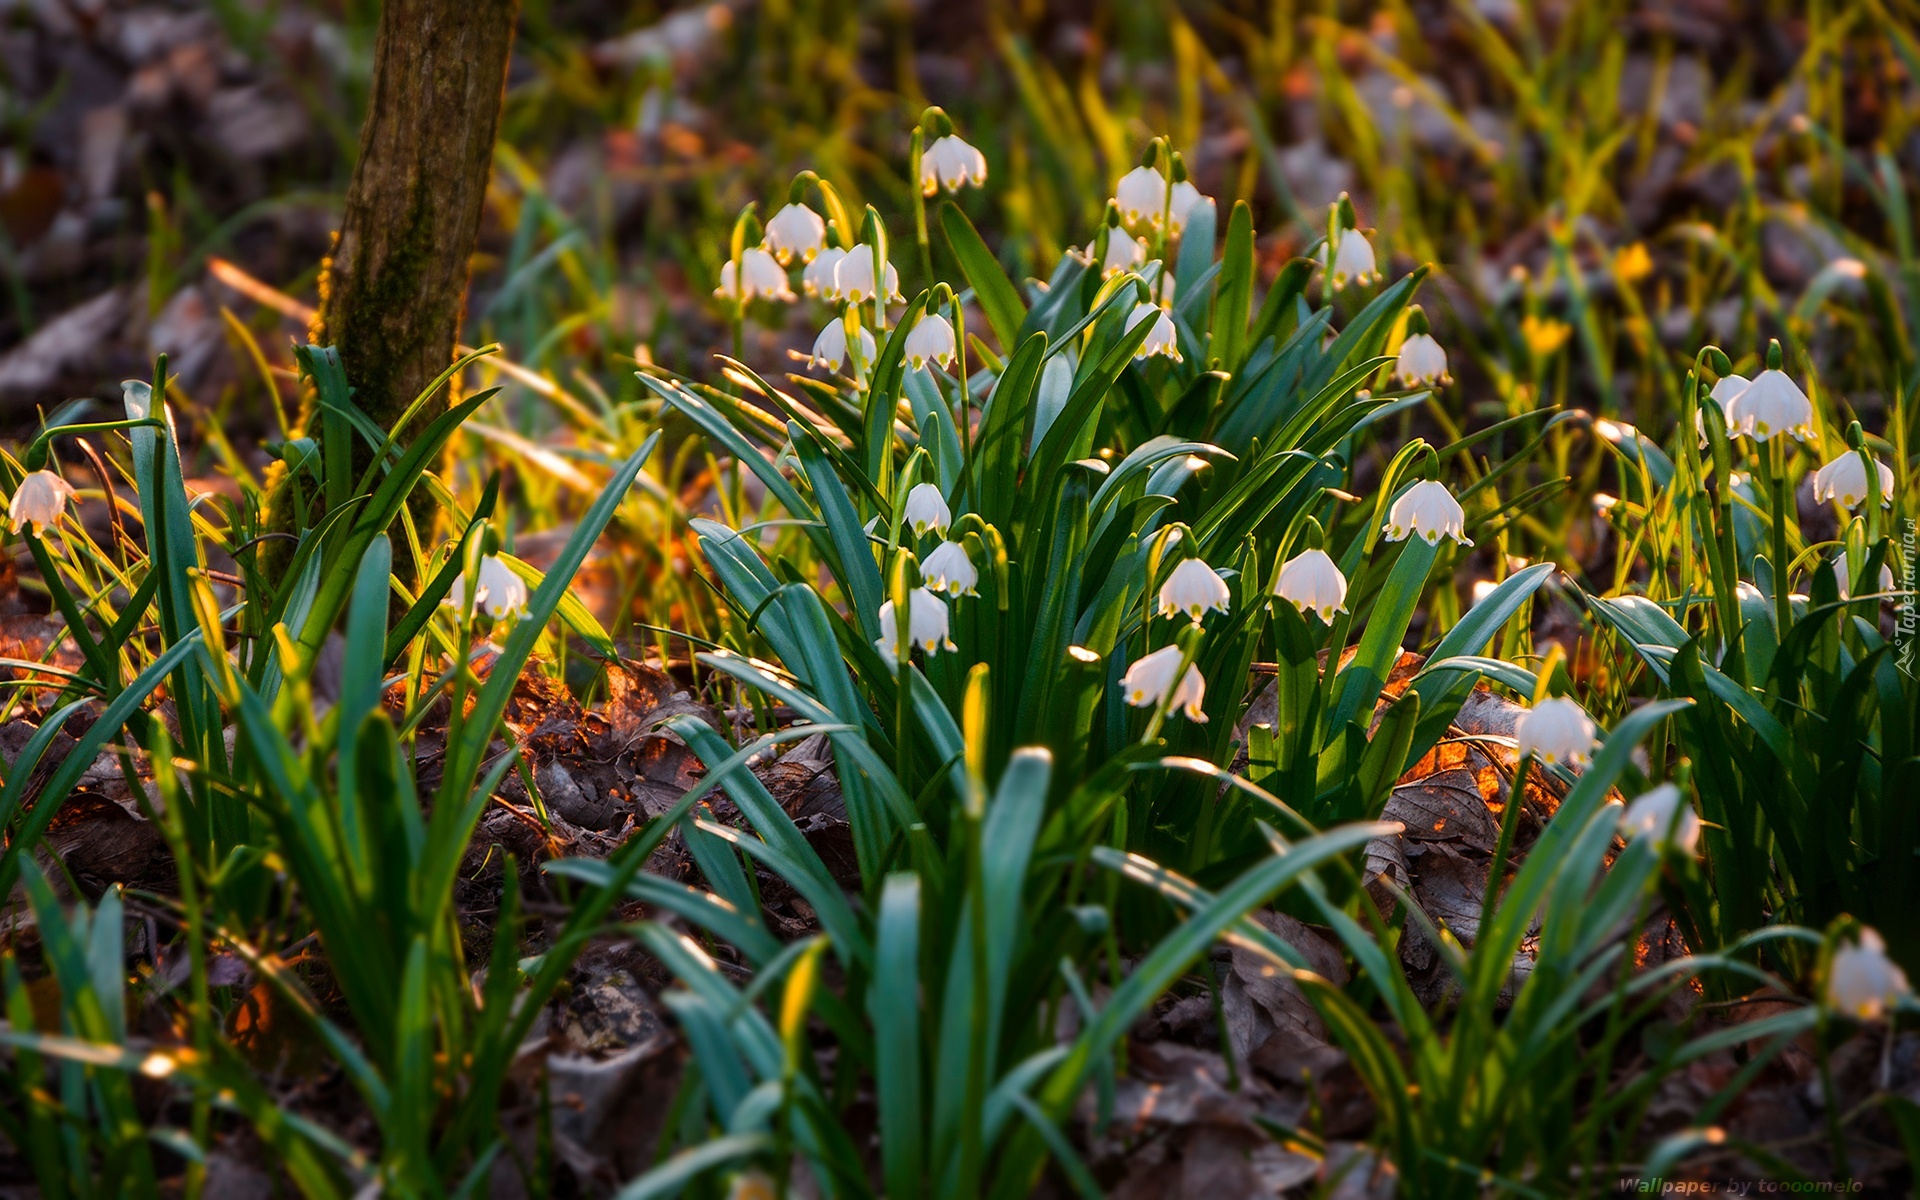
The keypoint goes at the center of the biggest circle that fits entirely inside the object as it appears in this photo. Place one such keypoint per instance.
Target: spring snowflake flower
(1182, 202)
(1163, 338)
(817, 279)
(1353, 261)
(948, 569)
(952, 164)
(1771, 405)
(1193, 588)
(1124, 253)
(759, 274)
(1422, 360)
(927, 510)
(40, 500)
(853, 277)
(930, 340)
(926, 625)
(1843, 576)
(1151, 679)
(1141, 196)
(795, 231)
(1311, 582)
(830, 348)
(1862, 981)
(498, 591)
(1653, 816)
(1555, 731)
(1845, 479)
(1722, 394)
(1429, 510)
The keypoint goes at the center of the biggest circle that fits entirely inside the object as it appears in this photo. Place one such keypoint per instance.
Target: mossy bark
(394, 290)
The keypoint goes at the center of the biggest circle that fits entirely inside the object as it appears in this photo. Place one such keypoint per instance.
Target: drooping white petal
(927, 510)
(496, 590)
(1311, 581)
(1353, 261)
(853, 277)
(1141, 196)
(1124, 253)
(1663, 816)
(1428, 510)
(1862, 981)
(1193, 588)
(1163, 338)
(1771, 406)
(830, 348)
(1151, 679)
(40, 499)
(930, 340)
(1555, 731)
(1184, 201)
(948, 569)
(926, 625)
(817, 279)
(1845, 480)
(1843, 576)
(1422, 360)
(951, 163)
(796, 231)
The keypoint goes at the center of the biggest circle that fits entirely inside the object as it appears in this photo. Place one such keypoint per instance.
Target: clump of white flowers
(39, 500)
(1193, 588)
(1312, 582)
(1427, 510)
(1555, 731)
(1155, 678)
(496, 590)
(1862, 981)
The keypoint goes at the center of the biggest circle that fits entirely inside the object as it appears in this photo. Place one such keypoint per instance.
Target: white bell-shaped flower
(1722, 395)
(830, 348)
(39, 501)
(1663, 816)
(1422, 360)
(1312, 582)
(951, 164)
(759, 274)
(1141, 196)
(1770, 406)
(1353, 261)
(1124, 253)
(930, 341)
(1845, 479)
(1193, 588)
(853, 277)
(926, 625)
(1862, 982)
(948, 569)
(1428, 510)
(1555, 731)
(1154, 677)
(1843, 576)
(796, 231)
(927, 510)
(1163, 338)
(817, 279)
(1183, 202)
(497, 590)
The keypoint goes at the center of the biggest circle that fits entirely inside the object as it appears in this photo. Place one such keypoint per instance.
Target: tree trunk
(395, 290)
